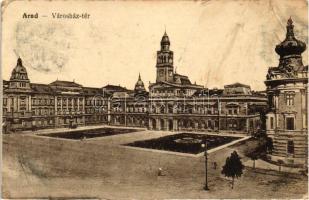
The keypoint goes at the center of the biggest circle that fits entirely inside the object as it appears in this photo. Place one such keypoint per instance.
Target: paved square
(102, 167)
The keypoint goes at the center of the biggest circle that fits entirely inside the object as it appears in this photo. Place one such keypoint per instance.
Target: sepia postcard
(154, 99)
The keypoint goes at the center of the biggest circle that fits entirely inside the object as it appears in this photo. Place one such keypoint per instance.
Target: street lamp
(206, 159)
(219, 110)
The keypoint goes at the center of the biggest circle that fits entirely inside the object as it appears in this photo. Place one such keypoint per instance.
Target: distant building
(287, 91)
(58, 104)
(168, 82)
(130, 108)
(172, 104)
(177, 104)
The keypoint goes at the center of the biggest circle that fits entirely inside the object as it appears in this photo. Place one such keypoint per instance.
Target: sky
(215, 42)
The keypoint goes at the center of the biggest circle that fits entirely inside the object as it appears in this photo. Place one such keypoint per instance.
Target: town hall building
(173, 103)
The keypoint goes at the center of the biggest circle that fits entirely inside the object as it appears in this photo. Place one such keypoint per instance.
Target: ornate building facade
(176, 104)
(58, 104)
(173, 103)
(287, 91)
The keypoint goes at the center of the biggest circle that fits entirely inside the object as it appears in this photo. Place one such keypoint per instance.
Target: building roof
(290, 46)
(92, 91)
(181, 79)
(236, 85)
(65, 84)
(139, 86)
(19, 73)
(165, 40)
(41, 88)
(115, 88)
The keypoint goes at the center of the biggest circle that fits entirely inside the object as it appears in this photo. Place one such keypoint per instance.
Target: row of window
(35, 101)
(132, 110)
(94, 110)
(69, 101)
(289, 123)
(43, 101)
(184, 110)
(42, 111)
(289, 98)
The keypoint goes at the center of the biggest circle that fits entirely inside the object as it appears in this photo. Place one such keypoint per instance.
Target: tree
(254, 156)
(269, 145)
(233, 167)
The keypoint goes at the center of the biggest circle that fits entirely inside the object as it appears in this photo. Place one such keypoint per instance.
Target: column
(67, 102)
(56, 104)
(158, 124)
(29, 104)
(78, 103)
(175, 125)
(150, 124)
(17, 98)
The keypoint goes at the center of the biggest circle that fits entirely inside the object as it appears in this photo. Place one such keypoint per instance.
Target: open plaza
(37, 164)
(172, 138)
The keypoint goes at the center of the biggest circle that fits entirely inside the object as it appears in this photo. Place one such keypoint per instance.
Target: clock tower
(165, 69)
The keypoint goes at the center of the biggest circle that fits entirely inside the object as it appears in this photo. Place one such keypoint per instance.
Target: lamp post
(206, 171)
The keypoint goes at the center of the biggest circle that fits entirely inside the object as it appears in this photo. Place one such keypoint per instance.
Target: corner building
(287, 91)
(32, 106)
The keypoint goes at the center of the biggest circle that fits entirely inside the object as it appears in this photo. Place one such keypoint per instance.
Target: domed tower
(139, 86)
(290, 51)
(19, 77)
(287, 92)
(165, 61)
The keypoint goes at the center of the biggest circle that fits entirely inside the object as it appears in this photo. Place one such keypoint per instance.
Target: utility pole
(206, 166)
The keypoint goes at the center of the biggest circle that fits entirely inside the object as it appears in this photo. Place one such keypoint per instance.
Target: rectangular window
(290, 147)
(271, 123)
(290, 123)
(289, 99)
(235, 111)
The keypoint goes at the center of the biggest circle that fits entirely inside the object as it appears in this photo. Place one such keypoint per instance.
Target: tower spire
(289, 28)
(19, 61)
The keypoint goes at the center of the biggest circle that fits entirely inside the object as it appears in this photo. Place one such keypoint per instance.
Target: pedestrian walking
(215, 165)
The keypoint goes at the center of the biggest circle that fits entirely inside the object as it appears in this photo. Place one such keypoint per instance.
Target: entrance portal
(154, 124)
(162, 124)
